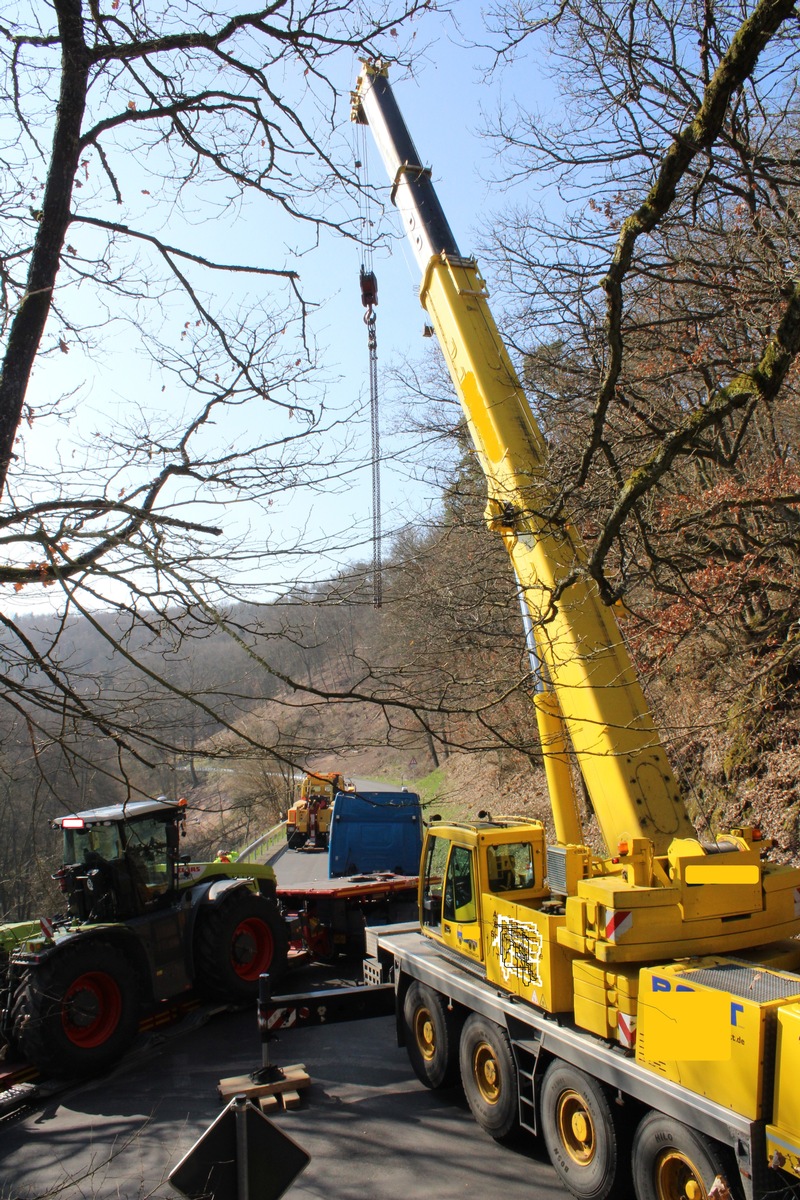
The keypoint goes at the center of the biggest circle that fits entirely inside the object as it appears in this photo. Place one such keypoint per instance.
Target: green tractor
(143, 926)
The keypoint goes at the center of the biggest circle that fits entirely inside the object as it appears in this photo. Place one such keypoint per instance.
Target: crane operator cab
(464, 865)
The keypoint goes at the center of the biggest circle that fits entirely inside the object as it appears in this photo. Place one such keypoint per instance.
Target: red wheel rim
(251, 948)
(91, 1009)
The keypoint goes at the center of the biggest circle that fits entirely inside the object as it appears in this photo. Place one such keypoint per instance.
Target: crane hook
(369, 291)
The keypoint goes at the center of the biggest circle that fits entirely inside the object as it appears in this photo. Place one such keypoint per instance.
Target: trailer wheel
(431, 1036)
(673, 1162)
(78, 1012)
(581, 1134)
(489, 1076)
(237, 940)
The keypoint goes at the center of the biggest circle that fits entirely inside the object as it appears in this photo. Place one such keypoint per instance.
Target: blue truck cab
(375, 831)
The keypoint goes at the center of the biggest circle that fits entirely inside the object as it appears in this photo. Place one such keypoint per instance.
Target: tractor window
(510, 867)
(92, 844)
(435, 863)
(147, 851)
(459, 892)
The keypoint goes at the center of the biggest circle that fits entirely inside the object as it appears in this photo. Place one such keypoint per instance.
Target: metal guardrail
(267, 847)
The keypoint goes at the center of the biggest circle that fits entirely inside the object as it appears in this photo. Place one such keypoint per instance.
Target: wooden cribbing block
(292, 1080)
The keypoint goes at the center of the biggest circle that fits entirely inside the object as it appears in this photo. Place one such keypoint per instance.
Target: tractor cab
(121, 861)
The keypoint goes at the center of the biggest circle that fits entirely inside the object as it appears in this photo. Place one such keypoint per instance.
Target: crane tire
(583, 1135)
(235, 941)
(489, 1076)
(669, 1157)
(431, 1036)
(78, 1011)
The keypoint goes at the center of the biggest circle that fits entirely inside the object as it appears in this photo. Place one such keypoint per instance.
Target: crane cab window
(459, 892)
(510, 867)
(435, 863)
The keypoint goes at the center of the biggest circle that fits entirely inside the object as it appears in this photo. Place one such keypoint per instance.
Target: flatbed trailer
(403, 955)
(327, 918)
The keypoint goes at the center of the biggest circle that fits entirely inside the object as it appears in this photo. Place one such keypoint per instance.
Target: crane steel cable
(369, 299)
(372, 343)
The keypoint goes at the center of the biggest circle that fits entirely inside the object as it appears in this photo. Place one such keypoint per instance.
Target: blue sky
(443, 102)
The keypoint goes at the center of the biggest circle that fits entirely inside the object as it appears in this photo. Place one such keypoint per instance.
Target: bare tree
(664, 293)
(133, 134)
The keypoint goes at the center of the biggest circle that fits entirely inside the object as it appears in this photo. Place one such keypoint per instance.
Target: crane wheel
(237, 940)
(489, 1076)
(673, 1162)
(583, 1134)
(78, 1012)
(431, 1036)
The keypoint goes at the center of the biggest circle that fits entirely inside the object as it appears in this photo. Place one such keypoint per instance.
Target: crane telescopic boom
(590, 681)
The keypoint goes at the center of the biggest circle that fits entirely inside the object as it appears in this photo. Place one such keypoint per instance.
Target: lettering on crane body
(680, 1022)
(663, 984)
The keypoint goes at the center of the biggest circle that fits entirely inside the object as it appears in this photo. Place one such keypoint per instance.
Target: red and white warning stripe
(46, 926)
(626, 1030)
(618, 922)
(282, 1018)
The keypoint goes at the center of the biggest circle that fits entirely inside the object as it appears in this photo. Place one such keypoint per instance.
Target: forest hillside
(430, 691)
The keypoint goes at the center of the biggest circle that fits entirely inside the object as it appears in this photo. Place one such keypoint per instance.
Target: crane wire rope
(369, 299)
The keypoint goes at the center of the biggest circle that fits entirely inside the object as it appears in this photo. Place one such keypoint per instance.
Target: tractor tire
(584, 1136)
(78, 1012)
(489, 1076)
(431, 1036)
(237, 940)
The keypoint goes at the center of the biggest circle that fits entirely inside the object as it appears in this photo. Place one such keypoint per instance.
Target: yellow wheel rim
(576, 1128)
(486, 1073)
(424, 1033)
(677, 1178)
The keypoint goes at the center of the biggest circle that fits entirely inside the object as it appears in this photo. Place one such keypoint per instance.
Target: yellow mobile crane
(639, 1009)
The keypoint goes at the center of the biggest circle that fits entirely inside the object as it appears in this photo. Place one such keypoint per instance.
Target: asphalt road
(373, 1132)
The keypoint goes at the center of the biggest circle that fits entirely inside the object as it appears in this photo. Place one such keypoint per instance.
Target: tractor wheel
(582, 1134)
(237, 940)
(78, 1012)
(431, 1036)
(673, 1162)
(489, 1076)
